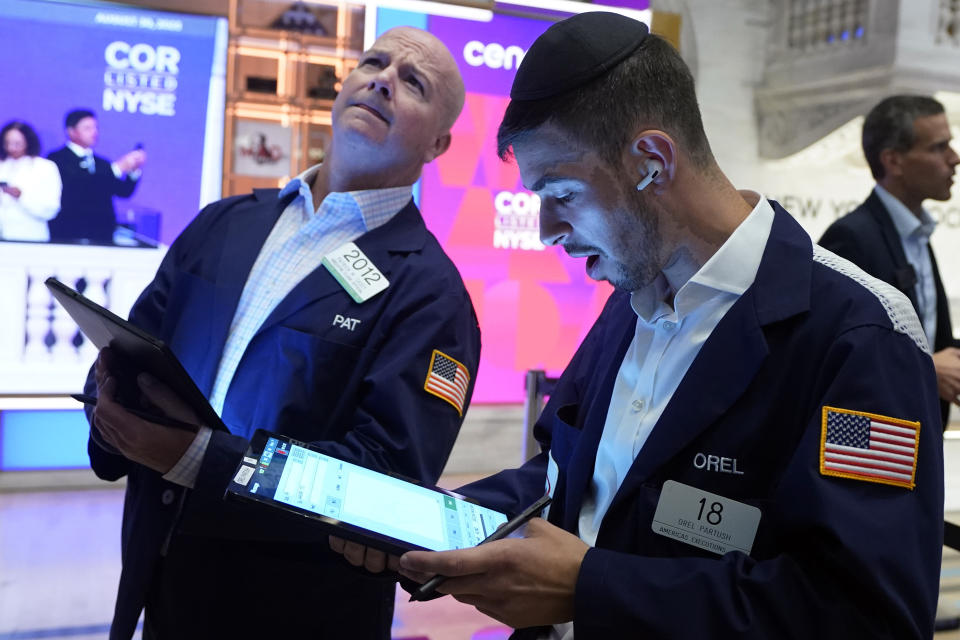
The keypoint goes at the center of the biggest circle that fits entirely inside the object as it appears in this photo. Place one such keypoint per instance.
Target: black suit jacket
(86, 206)
(867, 237)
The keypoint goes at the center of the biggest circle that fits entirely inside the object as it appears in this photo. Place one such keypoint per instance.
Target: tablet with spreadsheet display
(356, 503)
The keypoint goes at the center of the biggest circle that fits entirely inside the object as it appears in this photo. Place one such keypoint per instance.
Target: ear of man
(891, 159)
(439, 146)
(653, 156)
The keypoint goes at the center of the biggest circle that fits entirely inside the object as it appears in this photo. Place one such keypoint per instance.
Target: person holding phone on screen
(29, 185)
(90, 182)
(747, 442)
(324, 311)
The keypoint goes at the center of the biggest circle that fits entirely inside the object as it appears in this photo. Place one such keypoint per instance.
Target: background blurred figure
(29, 185)
(90, 182)
(906, 141)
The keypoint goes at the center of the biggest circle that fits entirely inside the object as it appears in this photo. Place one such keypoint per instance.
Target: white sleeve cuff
(187, 469)
(133, 175)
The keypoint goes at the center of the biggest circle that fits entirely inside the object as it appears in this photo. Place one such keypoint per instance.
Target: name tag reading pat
(355, 272)
(704, 519)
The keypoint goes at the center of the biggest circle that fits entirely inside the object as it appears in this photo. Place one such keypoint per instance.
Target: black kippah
(574, 51)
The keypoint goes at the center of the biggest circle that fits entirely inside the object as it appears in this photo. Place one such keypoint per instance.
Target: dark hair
(33, 142)
(653, 86)
(75, 116)
(889, 125)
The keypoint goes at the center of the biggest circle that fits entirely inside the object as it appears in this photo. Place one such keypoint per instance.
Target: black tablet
(136, 349)
(356, 503)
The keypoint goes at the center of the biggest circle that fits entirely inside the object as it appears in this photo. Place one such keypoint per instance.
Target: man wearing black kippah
(747, 442)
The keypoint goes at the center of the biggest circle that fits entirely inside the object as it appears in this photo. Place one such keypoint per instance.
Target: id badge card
(355, 272)
(705, 520)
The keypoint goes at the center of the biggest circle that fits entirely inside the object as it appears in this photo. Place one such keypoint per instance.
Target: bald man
(275, 342)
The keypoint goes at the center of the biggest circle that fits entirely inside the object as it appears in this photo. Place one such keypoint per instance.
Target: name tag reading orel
(355, 272)
(704, 519)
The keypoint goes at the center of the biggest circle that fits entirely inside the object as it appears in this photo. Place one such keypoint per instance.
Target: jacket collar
(724, 368)
(246, 234)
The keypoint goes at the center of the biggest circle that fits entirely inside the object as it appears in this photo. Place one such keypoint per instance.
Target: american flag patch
(447, 379)
(866, 446)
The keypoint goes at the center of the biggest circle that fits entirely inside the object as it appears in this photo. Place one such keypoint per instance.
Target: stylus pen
(150, 417)
(427, 588)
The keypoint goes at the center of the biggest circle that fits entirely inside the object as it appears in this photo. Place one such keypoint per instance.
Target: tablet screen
(333, 489)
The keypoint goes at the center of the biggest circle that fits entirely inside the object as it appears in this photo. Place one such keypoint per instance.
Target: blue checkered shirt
(298, 242)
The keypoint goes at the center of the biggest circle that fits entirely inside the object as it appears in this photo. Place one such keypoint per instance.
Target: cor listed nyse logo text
(141, 78)
(517, 221)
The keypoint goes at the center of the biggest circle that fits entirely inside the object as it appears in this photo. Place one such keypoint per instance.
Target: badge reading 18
(355, 272)
(704, 519)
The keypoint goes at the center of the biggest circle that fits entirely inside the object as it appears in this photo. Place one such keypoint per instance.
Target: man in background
(906, 141)
(90, 182)
(275, 342)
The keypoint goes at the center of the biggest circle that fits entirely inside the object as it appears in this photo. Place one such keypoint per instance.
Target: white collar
(375, 206)
(731, 269)
(81, 152)
(908, 225)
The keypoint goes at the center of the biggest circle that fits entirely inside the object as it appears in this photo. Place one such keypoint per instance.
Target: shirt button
(668, 325)
(637, 405)
(167, 497)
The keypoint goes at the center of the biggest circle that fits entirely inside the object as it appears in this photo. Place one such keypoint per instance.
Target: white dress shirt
(665, 342)
(25, 218)
(297, 243)
(915, 235)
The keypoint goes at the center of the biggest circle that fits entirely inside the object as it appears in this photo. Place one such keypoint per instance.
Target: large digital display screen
(154, 80)
(535, 304)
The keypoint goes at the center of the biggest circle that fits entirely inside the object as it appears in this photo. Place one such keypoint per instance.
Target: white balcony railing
(41, 349)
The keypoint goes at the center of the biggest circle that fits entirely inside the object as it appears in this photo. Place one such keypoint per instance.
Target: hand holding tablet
(134, 351)
(146, 415)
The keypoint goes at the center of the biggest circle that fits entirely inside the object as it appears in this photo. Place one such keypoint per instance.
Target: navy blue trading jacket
(356, 388)
(833, 557)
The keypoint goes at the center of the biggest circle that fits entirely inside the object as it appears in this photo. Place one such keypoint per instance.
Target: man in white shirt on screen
(90, 182)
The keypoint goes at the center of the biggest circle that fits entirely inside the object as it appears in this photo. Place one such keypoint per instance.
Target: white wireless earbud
(654, 167)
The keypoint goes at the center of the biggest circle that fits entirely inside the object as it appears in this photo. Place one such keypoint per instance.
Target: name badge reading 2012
(355, 272)
(704, 519)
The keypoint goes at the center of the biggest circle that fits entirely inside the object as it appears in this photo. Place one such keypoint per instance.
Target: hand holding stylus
(428, 588)
(521, 582)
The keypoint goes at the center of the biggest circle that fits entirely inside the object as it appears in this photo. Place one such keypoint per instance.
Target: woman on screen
(29, 185)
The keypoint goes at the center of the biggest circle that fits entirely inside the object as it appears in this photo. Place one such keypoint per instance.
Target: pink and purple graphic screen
(535, 304)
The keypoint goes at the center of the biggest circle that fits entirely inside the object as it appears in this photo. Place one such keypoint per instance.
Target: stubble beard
(642, 244)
